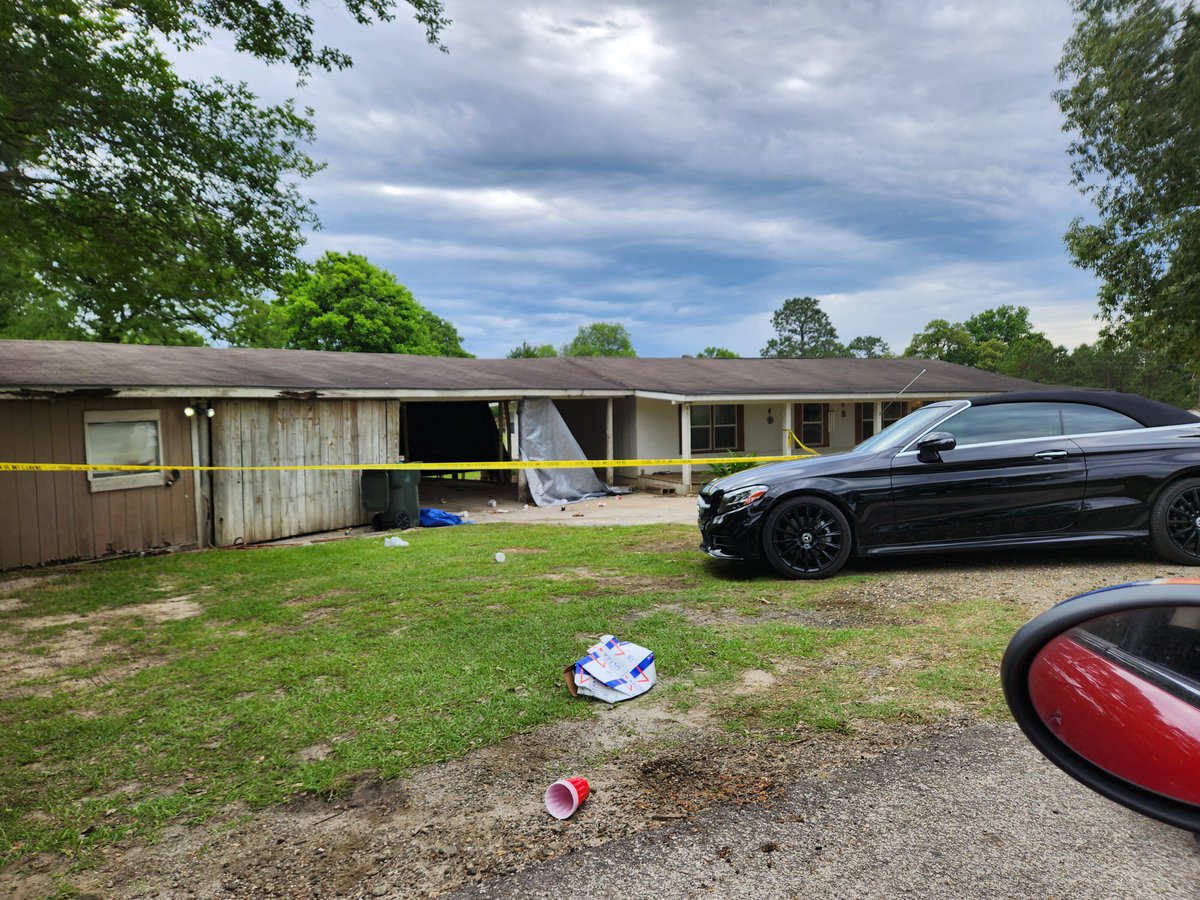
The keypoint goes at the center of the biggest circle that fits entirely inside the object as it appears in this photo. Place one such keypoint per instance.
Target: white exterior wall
(658, 426)
(625, 422)
(657, 432)
(763, 439)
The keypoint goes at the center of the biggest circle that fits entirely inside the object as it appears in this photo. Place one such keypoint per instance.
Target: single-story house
(69, 402)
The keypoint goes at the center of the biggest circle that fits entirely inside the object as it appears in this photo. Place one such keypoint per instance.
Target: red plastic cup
(565, 795)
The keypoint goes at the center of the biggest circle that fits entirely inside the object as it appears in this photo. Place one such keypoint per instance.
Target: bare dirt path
(654, 769)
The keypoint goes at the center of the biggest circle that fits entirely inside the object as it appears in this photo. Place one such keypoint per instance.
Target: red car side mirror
(1106, 685)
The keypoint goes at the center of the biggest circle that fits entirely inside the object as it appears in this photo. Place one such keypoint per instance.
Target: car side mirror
(1107, 687)
(930, 447)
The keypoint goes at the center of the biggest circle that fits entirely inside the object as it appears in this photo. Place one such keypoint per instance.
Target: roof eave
(19, 392)
(812, 396)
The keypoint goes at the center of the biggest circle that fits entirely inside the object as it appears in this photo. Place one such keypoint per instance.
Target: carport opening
(459, 431)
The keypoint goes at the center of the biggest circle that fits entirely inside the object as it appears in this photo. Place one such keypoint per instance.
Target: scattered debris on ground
(649, 764)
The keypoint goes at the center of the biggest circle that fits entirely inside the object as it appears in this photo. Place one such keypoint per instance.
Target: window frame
(798, 419)
(739, 434)
(864, 411)
(123, 480)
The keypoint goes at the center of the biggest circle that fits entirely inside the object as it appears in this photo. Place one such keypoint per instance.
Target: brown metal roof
(69, 365)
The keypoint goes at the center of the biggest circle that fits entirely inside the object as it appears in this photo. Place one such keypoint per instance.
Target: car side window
(1004, 422)
(1079, 418)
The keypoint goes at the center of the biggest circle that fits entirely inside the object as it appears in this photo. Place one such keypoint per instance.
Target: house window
(126, 437)
(716, 428)
(864, 419)
(812, 424)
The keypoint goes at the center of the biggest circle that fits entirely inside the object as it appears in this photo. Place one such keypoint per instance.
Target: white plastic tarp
(544, 435)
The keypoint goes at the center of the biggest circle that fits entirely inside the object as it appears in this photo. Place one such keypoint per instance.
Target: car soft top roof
(1150, 413)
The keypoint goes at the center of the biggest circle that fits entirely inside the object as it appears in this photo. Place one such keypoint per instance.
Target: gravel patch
(972, 812)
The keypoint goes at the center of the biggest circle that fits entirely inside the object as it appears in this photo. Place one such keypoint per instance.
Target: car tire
(806, 537)
(1175, 522)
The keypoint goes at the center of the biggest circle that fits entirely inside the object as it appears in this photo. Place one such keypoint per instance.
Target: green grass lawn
(301, 669)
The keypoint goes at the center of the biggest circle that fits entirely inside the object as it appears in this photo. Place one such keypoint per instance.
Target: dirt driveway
(662, 772)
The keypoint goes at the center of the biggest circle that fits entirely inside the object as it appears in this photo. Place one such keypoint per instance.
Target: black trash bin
(375, 496)
(404, 500)
(390, 497)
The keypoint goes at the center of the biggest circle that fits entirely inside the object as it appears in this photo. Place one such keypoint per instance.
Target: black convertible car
(1042, 467)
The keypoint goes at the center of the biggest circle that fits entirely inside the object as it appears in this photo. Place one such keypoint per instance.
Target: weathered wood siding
(54, 516)
(263, 506)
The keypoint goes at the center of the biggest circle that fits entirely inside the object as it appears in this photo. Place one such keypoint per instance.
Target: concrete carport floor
(470, 497)
(637, 508)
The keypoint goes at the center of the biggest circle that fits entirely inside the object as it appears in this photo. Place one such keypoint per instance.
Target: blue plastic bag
(436, 518)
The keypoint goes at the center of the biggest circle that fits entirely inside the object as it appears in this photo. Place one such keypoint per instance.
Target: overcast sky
(684, 167)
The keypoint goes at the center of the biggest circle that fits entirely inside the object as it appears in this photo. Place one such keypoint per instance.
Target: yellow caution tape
(421, 466)
(799, 443)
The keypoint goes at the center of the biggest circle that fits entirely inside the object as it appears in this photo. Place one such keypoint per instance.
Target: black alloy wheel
(806, 537)
(1175, 522)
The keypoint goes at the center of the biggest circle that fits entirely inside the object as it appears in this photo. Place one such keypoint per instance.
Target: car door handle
(1050, 454)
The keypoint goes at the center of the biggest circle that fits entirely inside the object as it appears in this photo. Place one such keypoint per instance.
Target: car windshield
(900, 433)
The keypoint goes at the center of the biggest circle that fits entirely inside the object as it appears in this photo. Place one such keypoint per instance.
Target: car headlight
(741, 498)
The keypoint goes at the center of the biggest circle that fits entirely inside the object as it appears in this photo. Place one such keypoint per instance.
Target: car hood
(773, 473)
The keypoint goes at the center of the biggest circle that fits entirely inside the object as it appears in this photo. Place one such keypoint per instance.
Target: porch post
(878, 416)
(789, 409)
(202, 540)
(685, 443)
(608, 441)
(515, 451)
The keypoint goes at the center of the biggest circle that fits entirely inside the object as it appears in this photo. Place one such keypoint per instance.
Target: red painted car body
(1085, 698)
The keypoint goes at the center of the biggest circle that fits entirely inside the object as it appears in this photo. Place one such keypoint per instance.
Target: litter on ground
(564, 796)
(613, 670)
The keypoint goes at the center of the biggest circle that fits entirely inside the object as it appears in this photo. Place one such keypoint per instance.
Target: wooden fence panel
(261, 506)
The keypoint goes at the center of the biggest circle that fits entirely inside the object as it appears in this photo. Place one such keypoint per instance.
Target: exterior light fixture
(189, 411)
(770, 418)
(210, 412)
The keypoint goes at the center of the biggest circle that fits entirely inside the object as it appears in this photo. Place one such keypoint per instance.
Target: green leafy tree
(342, 302)
(990, 354)
(943, 340)
(1036, 358)
(1132, 101)
(526, 350)
(1134, 366)
(444, 339)
(136, 205)
(716, 353)
(31, 318)
(1000, 339)
(803, 329)
(1007, 324)
(868, 346)
(600, 339)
